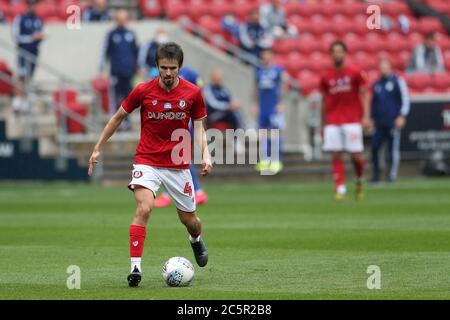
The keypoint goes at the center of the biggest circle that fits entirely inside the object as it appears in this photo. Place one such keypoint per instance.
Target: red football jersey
(162, 113)
(341, 93)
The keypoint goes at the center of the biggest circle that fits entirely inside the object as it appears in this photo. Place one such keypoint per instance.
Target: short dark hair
(170, 51)
(338, 43)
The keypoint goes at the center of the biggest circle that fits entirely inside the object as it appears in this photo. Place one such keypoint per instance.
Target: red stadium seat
(5, 87)
(285, 46)
(293, 8)
(71, 104)
(325, 41)
(443, 41)
(46, 9)
(69, 96)
(365, 60)
(354, 42)
(175, 9)
(221, 8)
(419, 81)
(303, 24)
(352, 9)
(394, 8)
(441, 81)
(54, 20)
(4, 8)
(101, 87)
(331, 9)
(17, 9)
(211, 24)
(340, 25)
(447, 59)
(396, 42)
(308, 44)
(429, 24)
(199, 8)
(319, 62)
(309, 83)
(73, 126)
(242, 9)
(151, 8)
(309, 9)
(360, 25)
(296, 62)
(374, 42)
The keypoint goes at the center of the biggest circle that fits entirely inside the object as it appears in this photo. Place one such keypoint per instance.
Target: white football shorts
(177, 182)
(346, 137)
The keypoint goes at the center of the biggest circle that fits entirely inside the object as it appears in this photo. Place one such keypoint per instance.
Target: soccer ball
(178, 272)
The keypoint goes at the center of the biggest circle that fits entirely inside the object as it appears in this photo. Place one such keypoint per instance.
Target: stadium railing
(91, 123)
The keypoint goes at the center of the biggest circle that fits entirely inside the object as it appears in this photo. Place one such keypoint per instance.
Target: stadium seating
(101, 86)
(5, 87)
(319, 23)
(71, 103)
(152, 8)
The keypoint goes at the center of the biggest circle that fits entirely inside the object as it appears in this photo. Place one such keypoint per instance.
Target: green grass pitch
(266, 241)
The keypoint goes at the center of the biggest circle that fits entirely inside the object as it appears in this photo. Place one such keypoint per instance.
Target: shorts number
(188, 189)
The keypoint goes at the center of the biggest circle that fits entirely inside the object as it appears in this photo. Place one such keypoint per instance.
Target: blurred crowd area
(298, 31)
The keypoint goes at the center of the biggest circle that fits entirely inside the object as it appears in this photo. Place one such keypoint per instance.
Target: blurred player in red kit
(345, 113)
(167, 104)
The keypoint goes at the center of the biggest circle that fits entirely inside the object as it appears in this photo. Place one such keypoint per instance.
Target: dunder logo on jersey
(182, 104)
(154, 102)
(167, 115)
(137, 174)
(167, 105)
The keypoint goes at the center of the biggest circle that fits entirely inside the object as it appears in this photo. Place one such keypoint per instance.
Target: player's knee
(143, 209)
(337, 156)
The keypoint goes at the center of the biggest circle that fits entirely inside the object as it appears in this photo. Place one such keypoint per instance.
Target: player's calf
(194, 228)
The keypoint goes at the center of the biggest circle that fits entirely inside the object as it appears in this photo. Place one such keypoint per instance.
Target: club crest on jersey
(135, 243)
(154, 102)
(167, 105)
(137, 174)
(182, 104)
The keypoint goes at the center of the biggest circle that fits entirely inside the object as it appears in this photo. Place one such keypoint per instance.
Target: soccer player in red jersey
(345, 112)
(166, 103)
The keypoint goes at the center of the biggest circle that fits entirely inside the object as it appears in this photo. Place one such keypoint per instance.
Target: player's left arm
(198, 116)
(200, 141)
(365, 100)
(400, 121)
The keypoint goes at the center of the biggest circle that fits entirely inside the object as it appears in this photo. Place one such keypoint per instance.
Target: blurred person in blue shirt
(97, 11)
(220, 105)
(252, 36)
(147, 54)
(27, 34)
(389, 108)
(269, 79)
(121, 50)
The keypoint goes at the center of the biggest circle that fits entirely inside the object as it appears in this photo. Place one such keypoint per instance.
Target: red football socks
(137, 238)
(358, 164)
(338, 173)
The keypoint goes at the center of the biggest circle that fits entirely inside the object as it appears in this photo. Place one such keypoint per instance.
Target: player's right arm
(111, 127)
(323, 116)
